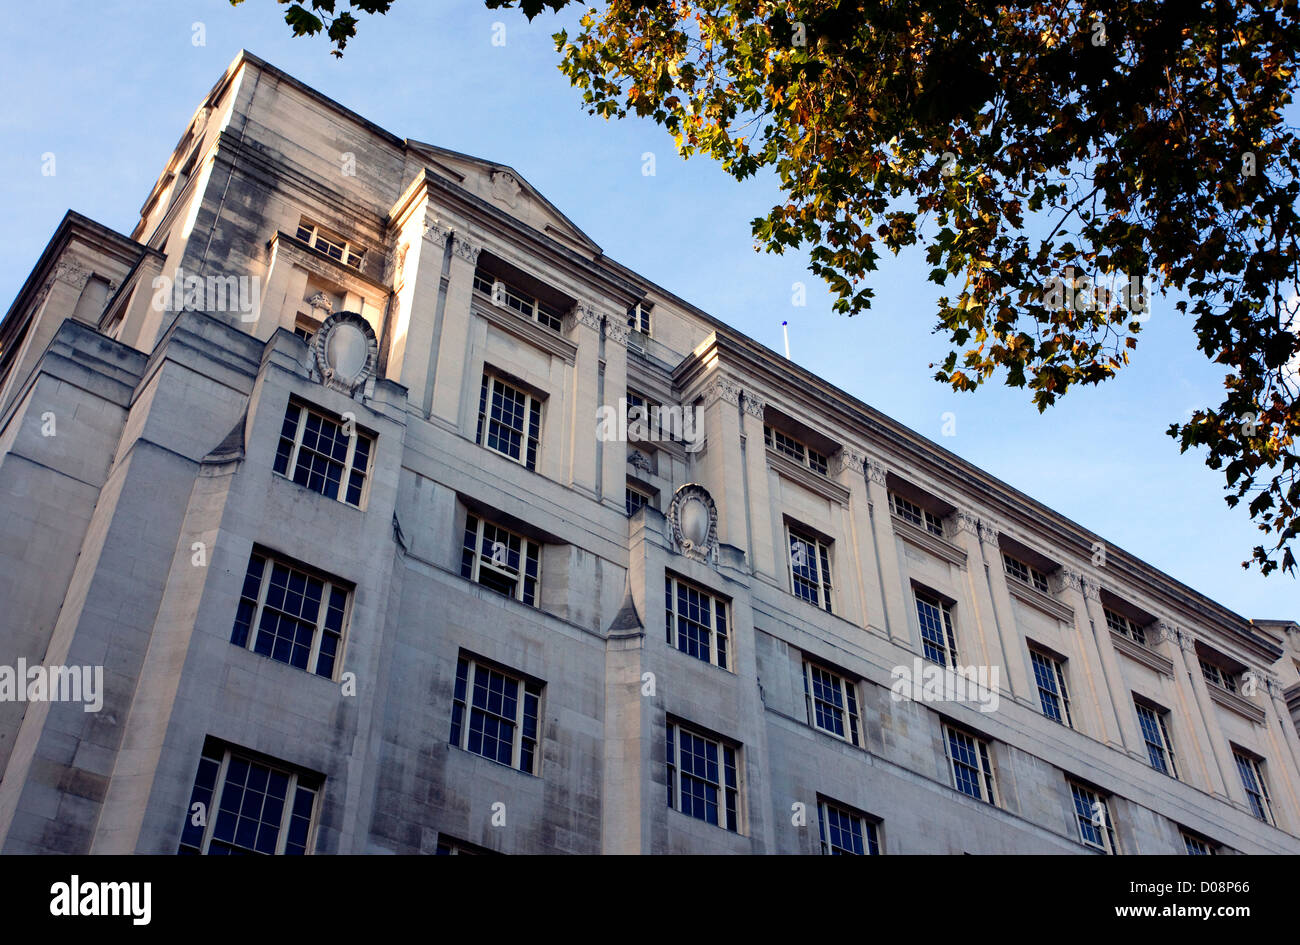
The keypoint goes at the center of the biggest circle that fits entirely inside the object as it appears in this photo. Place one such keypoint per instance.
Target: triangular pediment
(504, 188)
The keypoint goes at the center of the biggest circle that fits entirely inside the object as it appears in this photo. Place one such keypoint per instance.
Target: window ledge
(354, 280)
(814, 482)
(1141, 654)
(932, 543)
(527, 329)
(1036, 598)
(1236, 703)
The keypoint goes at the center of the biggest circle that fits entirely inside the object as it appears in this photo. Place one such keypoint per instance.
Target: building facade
(324, 529)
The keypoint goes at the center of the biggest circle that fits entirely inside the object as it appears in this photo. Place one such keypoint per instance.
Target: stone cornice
(959, 478)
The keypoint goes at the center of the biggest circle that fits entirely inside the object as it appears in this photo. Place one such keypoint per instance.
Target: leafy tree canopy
(1054, 162)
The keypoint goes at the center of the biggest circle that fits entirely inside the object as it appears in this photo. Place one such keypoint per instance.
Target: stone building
(323, 529)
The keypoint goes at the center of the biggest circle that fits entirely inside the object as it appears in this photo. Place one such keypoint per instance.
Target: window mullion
(469, 704)
(299, 427)
(314, 654)
(268, 565)
(290, 801)
(214, 801)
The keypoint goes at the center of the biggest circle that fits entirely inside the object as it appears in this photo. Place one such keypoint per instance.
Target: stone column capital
(967, 521)
(850, 461)
(876, 472)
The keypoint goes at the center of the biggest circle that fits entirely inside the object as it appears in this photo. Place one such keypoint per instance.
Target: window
(1125, 627)
(494, 713)
(697, 622)
(846, 833)
(1024, 573)
(638, 317)
(911, 512)
(1092, 815)
(260, 807)
(702, 777)
(1197, 845)
(492, 556)
(810, 569)
(938, 642)
(1160, 749)
(1218, 676)
(507, 296)
(1252, 779)
(299, 617)
(509, 421)
(832, 702)
(972, 772)
(801, 454)
(324, 454)
(305, 330)
(335, 247)
(650, 420)
(1049, 673)
(636, 499)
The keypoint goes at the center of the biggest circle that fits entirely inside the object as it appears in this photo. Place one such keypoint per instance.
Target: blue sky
(111, 96)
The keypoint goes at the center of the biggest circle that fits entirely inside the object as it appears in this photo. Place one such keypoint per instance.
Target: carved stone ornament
(693, 522)
(321, 306)
(850, 461)
(968, 522)
(505, 189)
(640, 461)
(988, 533)
(345, 352)
(1072, 580)
(465, 249)
(723, 389)
(876, 472)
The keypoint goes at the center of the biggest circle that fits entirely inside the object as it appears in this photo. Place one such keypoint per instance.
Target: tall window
(1218, 676)
(291, 616)
(1049, 673)
(638, 318)
(509, 421)
(972, 771)
(938, 641)
(810, 569)
(525, 303)
(702, 778)
(697, 622)
(1025, 573)
(332, 245)
(1252, 779)
(494, 713)
(800, 453)
(1125, 627)
(494, 557)
(1155, 732)
(913, 513)
(248, 807)
(845, 832)
(324, 454)
(1092, 816)
(832, 702)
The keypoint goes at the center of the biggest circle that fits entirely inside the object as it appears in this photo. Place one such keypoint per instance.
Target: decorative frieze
(465, 249)
(850, 461)
(967, 522)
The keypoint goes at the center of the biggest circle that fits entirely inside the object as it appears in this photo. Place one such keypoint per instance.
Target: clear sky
(108, 88)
